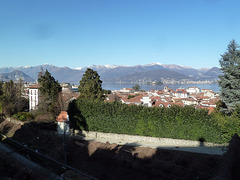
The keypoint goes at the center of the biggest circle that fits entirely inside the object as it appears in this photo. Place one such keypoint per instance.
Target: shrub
(23, 116)
(175, 122)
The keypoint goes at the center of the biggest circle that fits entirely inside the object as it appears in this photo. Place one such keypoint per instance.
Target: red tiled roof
(68, 97)
(210, 109)
(62, 116)
(180, 89)
(189, 99)
(157, 97)
(133, 100)
(36, 86)
(160, 92)
(214, 100)
(165, 104)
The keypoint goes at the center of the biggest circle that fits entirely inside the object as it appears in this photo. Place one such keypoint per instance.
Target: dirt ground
(111, 161)
(10, 169)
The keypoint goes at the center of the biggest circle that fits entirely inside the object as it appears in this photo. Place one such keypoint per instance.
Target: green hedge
(23, 116)
(175, 122)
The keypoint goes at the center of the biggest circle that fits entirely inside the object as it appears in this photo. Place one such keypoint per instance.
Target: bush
(23, 116)
(175, 122)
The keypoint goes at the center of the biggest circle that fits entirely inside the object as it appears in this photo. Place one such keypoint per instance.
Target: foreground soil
(10, 169)
(112, 161)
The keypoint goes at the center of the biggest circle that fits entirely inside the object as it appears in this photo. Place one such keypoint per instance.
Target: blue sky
(79, 33)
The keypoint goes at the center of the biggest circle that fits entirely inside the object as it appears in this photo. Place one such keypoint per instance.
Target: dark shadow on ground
(201, 141)
(5, 129)
(114, 162)
(230, 166)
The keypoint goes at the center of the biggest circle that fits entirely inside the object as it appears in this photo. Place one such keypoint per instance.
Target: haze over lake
(146, 87)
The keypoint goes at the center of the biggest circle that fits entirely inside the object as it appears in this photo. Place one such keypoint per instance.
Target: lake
(146, 87)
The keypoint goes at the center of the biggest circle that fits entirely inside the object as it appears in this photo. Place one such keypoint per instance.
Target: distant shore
(116, 86)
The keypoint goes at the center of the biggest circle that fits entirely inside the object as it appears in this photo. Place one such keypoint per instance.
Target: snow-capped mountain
(115, 73)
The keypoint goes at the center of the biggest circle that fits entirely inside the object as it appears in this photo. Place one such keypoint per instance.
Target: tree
(220, 105)
(49, 86)
(91, 86)
(136, 87)
(12, 100)
(230, 80)
(1, 96)
(49, 93)
(1, 88)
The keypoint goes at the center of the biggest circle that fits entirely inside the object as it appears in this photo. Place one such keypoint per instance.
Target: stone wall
(15, 121)
(145, 139)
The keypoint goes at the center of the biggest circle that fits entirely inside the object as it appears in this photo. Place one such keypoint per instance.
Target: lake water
(146, 87)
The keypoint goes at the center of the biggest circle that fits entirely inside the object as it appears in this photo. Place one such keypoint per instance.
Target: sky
(80, 33)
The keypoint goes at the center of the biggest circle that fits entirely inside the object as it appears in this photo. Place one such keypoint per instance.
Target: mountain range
(15, 75)
(115, 74)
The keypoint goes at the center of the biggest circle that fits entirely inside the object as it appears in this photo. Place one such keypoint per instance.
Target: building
(127, 90)
(33, 96)
(135, 100)
(162, 104)
(147, 101)
(210, 94)
(181, 93)
(63, 123)
(190, 101)
(192, 90)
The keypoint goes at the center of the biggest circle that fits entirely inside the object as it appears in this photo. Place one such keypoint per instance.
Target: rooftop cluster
(167, 97)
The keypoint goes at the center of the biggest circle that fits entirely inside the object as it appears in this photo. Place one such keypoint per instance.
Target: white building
(190, 102)
(194, 90)
(147, 101)
(210, 94)
(181, 94)
(127, 90)
(206, 90)
(33, 96)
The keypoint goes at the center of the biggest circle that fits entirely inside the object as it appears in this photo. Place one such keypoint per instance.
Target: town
(119, 90)
(167, 97)
(59, 121)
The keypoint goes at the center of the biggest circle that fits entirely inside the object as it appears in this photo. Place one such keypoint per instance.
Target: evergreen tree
(230, 80)
(49, 86)
(49, 91)
(1, 88)
(1, 96)
(136, 87)
(91, 86)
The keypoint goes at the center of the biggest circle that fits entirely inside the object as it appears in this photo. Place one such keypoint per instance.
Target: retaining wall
(145, 139)
(15, 121)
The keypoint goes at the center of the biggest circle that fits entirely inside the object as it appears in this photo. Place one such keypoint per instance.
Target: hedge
(175, 122)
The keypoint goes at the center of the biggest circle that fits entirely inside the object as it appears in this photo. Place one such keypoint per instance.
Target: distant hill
(62, 74)
(6, 69)
(150, 76)
(15, 76)
(211, 75)
(185, 70)
(214, 72)
(115, 74)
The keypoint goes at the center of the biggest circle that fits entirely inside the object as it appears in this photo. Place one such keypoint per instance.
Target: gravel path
(203, 149)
